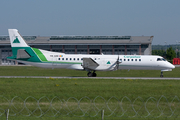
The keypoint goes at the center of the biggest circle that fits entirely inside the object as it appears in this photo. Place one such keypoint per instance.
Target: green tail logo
(16, 40)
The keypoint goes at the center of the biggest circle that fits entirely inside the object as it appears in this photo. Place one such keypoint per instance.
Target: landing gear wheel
(89, 74)
(94, 74)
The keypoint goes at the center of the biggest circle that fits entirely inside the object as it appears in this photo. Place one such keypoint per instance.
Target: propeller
(117, 63)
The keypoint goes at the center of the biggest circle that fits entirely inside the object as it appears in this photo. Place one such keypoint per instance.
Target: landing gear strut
(91, 74)
(161, 74)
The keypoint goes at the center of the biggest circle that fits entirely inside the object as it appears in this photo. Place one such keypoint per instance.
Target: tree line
(168, 54)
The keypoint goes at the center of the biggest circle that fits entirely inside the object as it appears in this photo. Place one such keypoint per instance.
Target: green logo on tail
(16, 40)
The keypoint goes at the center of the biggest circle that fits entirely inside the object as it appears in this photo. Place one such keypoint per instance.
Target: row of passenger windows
(70, 59)
(95, 59)
(131, 59)
(75, 59)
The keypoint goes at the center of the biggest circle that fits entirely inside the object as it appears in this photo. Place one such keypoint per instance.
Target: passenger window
(135, 59)
(124, 59)
(131, 59)
(59, 58)
(70, 58)
(77, 58)
(62, 58)
(128, 59)
(94, 58)
(74, 58)
(81, 58)
(66, 58)
(139, 59)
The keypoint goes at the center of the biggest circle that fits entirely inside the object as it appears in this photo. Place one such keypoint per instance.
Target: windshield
(161, 59)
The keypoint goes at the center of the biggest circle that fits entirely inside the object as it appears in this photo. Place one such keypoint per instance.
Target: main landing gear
(161, 74)
(91, 74)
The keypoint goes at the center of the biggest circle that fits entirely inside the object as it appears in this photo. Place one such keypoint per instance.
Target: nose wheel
(91, 74)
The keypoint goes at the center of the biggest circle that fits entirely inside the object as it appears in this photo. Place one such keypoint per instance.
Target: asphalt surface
(142, 78)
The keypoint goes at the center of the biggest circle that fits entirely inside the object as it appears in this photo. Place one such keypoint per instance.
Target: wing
(89, 63)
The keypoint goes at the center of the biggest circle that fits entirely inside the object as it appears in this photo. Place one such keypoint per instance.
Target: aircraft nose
(171, 66)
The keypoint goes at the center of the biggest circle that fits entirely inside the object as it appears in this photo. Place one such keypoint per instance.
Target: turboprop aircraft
(23, 53)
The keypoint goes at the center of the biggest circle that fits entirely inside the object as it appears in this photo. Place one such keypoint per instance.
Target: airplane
(23, 53)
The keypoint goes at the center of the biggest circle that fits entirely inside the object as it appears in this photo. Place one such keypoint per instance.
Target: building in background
(122, 45)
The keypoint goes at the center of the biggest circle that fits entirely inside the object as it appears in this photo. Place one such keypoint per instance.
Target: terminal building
(116, 45)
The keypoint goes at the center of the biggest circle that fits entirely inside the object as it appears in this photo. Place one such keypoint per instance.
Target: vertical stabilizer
(16, 39)
(20, 49)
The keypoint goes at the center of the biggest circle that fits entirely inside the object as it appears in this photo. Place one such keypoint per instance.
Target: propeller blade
(117, 63)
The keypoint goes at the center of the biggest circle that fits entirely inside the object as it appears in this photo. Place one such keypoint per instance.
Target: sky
(158, 18)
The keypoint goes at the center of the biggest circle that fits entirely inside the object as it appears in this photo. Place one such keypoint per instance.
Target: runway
(132, 78)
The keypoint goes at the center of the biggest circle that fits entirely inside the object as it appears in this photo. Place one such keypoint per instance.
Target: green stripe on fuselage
(40, 54)
(36, 56)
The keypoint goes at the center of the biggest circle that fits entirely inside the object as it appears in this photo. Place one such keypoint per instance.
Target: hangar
(122, 45)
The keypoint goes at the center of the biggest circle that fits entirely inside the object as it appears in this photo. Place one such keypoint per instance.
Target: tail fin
(16, 39)
(20, 49)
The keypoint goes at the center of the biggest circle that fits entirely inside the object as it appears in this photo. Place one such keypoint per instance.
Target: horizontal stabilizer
(22, 54)
(89, 63)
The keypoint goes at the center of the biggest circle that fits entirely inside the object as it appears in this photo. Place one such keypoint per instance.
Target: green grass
(65, 88)
(35, 71)
(78, 88)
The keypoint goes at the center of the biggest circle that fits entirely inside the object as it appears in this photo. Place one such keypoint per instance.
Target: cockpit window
(161, 59)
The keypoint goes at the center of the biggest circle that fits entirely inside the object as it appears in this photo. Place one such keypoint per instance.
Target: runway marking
(133, 78)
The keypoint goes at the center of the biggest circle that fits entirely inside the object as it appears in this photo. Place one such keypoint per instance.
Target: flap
(22, 54)
(89, 62)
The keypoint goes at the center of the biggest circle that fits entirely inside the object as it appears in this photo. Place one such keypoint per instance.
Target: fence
(112, 107)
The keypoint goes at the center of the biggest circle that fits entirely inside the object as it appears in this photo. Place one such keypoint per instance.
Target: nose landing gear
(161, 74)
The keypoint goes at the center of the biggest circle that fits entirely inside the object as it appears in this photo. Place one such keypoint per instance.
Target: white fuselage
(106, 62)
